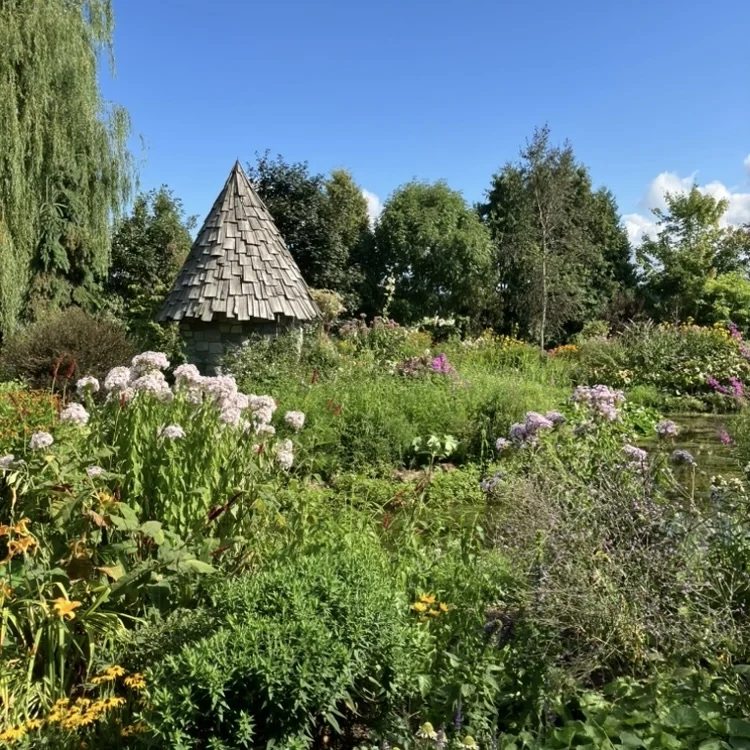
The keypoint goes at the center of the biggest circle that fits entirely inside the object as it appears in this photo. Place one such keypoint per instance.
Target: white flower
(40, 440)
(230, 415)
(172, 432)
(155, 384)
(187, 376)
(265, 429)
(6, 461)
(240, 401)
(284, 454)
(263, 408)
(74, 414)
(193, 395)
(295, 419)
(89, 383)
(220, 387)
(285, 459)
(95, 471)
(149, 361)
(118, 379)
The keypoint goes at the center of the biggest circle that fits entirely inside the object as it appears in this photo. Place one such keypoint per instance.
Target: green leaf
(683, 717)
(740, 743)
(738, 728)
(630, 740)
(713, 745)
(153, 530)
(196, 566)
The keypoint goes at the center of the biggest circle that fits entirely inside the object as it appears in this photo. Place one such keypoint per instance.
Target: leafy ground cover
(403, 544)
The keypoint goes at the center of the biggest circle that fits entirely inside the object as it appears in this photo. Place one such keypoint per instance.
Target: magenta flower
(440, 364)
(725, 437)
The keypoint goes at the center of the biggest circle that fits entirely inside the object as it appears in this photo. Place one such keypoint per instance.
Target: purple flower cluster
(735, 389)
(502, 444)
(667, 428)
(682, 457)
(601, 400)
(440, 364)
(534, 423)
(725, 438)
(637, 457)
(734, 332)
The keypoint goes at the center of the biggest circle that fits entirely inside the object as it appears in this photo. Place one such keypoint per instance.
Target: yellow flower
(113, 702)
(64, 608)
(136, 681)
(32, 724)
(115, 670)
(138, 728)
(444, 607)
(419, 606)
(469, 742)
(433, 613)
(427, 598)
(12, 734)
(5, 530)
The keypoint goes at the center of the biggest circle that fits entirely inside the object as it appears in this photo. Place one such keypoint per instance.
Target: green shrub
(295, 649)
(271, 364)
(63, 346)
(675, 360)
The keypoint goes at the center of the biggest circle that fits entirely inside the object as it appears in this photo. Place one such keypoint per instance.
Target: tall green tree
(323, 220)
(560, 250)
(348, 237)
(64, 166)
(435, 248)
(148, 249)
(690, 251)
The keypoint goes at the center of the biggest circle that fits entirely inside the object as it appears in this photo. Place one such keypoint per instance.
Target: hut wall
(207, 342)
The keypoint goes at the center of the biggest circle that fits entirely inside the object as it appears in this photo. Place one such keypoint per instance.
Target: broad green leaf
(115, 572)
(683, 717)
(153, 530)
(738, 728)
(630, 740)
(740, 743)
(197, 566)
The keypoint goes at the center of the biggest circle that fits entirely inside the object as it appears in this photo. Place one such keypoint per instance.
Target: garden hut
(238, 281)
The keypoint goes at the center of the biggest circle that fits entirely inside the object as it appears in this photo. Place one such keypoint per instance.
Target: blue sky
(651, 92)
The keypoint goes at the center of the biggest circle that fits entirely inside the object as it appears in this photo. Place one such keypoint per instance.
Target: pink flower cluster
(440, 364)
(603, 401)
(735, 389)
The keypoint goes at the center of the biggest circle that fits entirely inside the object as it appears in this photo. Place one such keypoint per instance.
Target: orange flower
(20, 527)
(64, 608)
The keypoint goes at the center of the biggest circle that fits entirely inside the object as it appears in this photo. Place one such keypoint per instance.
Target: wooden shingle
(239, 265)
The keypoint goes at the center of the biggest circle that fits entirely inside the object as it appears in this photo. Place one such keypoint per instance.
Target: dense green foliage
(148, 249)
(64, 167)
(435, 250)
(176, 573)
(561, 253)
(323, 221)
(695, 268)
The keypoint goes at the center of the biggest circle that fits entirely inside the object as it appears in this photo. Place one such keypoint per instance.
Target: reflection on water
(699, 434)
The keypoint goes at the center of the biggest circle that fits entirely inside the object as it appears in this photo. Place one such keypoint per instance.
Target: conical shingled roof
(239, 266)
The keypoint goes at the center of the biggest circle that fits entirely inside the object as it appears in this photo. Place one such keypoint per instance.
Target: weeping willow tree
(65, 170)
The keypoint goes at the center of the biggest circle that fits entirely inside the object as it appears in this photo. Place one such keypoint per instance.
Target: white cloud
(374, 205)
(641, 223)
